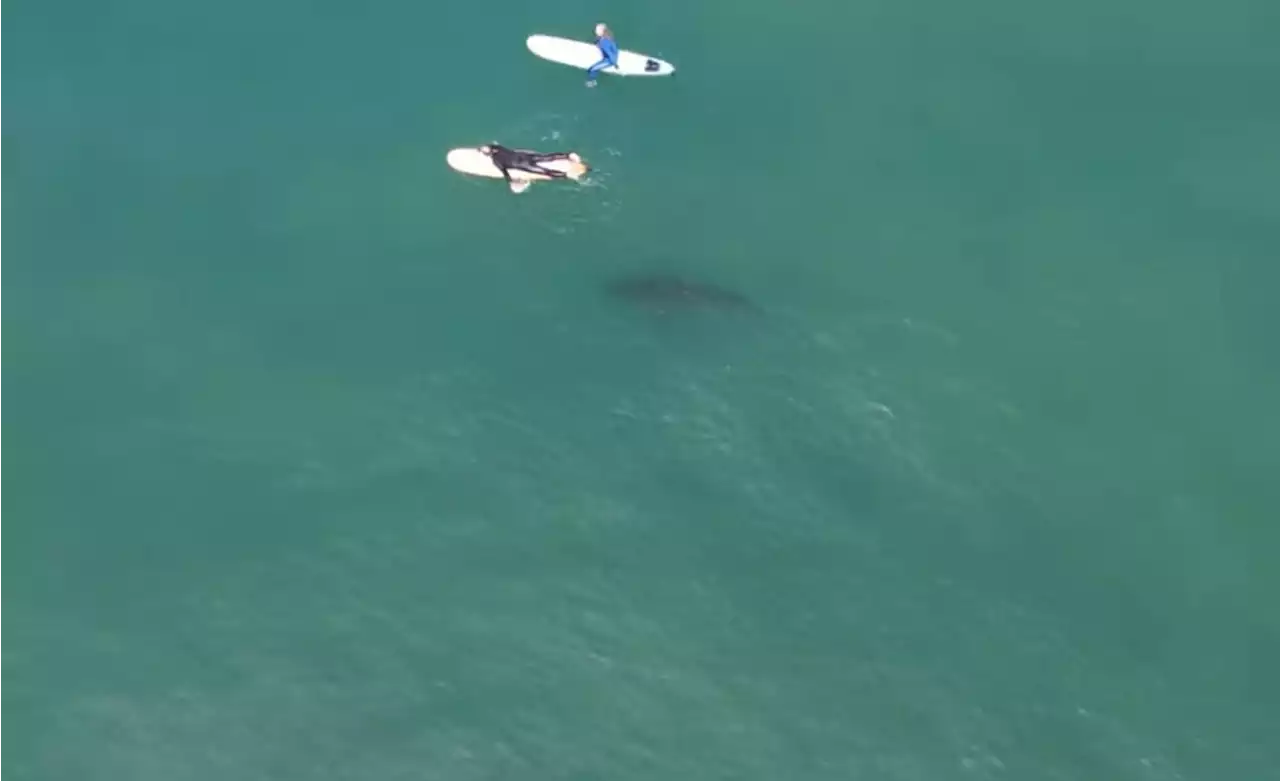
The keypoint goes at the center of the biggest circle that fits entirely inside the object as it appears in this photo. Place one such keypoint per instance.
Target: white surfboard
(470, 160)
(577, 54)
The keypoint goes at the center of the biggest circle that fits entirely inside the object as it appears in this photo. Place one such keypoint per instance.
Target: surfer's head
(486, 149)
(601, 30)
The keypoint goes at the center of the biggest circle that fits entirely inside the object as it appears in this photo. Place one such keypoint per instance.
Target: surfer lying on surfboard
(608, 48)
(508, 160)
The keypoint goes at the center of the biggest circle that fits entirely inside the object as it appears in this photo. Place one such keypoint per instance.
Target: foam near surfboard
(578, 54)
(470, 160)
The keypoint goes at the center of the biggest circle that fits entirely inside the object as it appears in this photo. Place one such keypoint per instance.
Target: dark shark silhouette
(664, 291)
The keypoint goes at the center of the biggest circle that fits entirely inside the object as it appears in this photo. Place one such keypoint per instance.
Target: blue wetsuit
(610, 51)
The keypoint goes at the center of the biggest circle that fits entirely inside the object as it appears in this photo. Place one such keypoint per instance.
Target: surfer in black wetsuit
(508, 160)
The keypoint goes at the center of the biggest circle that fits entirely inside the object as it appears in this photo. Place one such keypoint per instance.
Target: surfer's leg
(595, 69)
(554, 174)
(534, 167)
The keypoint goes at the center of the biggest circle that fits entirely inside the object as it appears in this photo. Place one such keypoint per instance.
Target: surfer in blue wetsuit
(609, 50)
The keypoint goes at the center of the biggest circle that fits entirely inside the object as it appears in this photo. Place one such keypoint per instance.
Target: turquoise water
(326, 462)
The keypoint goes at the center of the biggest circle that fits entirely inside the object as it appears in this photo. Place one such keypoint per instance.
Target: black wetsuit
(509, 160)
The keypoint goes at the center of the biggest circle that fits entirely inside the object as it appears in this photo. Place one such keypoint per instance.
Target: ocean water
(950, 455)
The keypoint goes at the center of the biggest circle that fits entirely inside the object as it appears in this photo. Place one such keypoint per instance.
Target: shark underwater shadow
(663, 293)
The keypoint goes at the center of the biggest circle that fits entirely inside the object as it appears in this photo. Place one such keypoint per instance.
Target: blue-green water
(328, 463)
